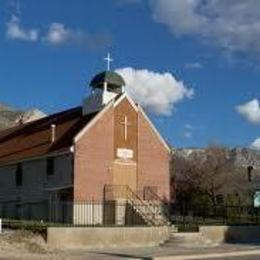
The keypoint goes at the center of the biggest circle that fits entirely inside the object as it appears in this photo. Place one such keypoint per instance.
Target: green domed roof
(113, 80)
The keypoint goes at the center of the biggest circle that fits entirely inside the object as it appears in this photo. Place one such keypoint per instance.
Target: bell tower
(105, 86)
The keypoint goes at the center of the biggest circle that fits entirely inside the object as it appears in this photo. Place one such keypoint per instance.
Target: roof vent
(53, 133)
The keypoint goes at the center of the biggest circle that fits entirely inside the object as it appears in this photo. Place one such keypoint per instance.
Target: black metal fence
(189, 218)
(124, 213)
(83, 213)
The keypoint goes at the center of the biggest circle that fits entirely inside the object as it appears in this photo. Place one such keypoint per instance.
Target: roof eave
(34, 158)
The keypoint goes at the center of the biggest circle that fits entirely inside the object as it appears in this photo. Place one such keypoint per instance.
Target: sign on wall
(257, 199)
(124, 153)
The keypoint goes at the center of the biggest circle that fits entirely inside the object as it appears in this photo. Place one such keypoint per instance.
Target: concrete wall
(106, 237)
(30, 200)
(231, 234)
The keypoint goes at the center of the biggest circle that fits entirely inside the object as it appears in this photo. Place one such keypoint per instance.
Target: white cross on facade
(125, 123)
(108, 59)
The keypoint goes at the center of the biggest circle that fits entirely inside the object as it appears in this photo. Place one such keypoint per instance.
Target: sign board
(257, 199)
(124, 153)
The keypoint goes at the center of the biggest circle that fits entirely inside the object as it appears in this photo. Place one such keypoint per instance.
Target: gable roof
(34, 139)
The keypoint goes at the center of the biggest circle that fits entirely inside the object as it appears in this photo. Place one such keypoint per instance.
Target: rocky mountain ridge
(241, 157)
(10, 117)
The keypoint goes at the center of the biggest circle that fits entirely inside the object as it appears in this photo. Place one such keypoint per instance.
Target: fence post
(92, 211)
(1, 226)
(256, 215)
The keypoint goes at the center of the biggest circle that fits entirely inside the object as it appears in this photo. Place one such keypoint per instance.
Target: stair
(152, 212)
(187, 239)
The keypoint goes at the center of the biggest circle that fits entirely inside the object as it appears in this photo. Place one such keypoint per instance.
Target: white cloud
(157, 92)
(58, 34)
(251, 111)
(188, 134)
(255, 144)
(193, 65)
(14, 31)
(188, 127)
(234, 25)
(188, 131)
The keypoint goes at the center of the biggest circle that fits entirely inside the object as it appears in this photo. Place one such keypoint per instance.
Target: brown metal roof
(34, 139)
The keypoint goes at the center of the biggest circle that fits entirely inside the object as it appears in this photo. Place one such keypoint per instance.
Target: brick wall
(93, 158)
(153, 159)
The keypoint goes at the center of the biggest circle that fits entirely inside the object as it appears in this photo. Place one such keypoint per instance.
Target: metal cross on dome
(108, 59)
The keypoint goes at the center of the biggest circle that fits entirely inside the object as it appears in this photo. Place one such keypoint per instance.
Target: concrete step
(189, 239)
(173, 230)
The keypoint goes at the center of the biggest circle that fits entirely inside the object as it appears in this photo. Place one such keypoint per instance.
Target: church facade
(106, 150)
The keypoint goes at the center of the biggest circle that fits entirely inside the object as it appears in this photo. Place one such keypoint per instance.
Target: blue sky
(201, 59)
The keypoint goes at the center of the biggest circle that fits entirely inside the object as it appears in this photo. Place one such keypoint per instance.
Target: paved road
(176, 253)
(147, 253)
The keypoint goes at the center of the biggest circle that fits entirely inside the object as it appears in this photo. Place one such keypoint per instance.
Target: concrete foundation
(106, 237)
(231, 234)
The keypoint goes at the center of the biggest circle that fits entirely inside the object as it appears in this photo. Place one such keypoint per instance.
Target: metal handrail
(157, 198)
(125, 192)
(139, 204)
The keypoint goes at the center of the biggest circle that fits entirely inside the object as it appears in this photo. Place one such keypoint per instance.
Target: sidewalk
(220, 255)
(166, 253)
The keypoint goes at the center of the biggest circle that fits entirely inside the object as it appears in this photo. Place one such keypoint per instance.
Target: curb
(211, 255)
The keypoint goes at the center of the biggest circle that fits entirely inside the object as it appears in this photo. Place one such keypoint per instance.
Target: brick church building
(105, 150)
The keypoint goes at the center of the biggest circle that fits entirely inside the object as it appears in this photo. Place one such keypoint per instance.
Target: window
(18, 211)
(50, 166)
(249, 173)
(19, 175)
(220, 199)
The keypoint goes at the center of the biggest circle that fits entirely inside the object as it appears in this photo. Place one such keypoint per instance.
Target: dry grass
(22, 244)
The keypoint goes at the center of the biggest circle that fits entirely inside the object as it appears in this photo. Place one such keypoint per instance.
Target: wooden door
(124, 173)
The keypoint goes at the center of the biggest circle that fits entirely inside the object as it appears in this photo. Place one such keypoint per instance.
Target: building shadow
(128, 256)
(243, 234)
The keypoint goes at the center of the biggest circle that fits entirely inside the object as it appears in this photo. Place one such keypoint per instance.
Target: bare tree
(206, 174)
(215, 171)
